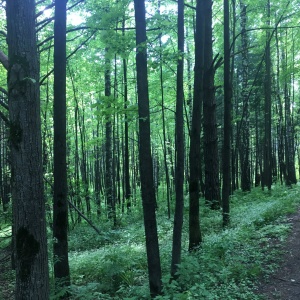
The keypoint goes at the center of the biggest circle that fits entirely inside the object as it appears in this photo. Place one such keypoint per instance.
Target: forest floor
(284, 283)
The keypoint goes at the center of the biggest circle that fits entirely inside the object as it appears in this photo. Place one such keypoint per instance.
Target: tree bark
(267, 173)
(179, 133)
(244, 146)
(211, 155)
(145, 160)
(109, 148)
(60, 192)
(195, 237)
(30, 239)
(227, 119)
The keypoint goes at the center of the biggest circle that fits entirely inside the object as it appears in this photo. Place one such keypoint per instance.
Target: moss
(27, 247)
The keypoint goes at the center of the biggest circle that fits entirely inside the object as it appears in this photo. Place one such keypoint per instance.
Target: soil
(284, 284)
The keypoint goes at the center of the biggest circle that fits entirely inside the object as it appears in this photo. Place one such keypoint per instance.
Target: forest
(148, 148)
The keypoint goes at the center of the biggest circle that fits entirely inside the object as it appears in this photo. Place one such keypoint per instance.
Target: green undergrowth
(227, 266)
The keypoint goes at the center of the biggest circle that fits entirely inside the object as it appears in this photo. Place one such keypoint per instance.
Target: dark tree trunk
(109, 148)
(60, 193)
(257, 150)
(126, 142)
(267, 173)
(227, 118)
(195, 237)
(289, 128)
(29, 220)
(211, 155)
(244, 146)
(289, 141)
(145, 160)
(280, 125)
(179, 133)
(97, 183)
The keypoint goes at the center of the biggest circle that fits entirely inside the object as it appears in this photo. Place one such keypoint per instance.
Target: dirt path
(284, 284)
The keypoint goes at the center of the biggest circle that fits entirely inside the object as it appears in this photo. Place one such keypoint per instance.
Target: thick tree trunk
(30, 240)
(145, 161)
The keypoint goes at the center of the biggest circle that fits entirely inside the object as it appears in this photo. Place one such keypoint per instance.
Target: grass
(228, 265)
(113, 266)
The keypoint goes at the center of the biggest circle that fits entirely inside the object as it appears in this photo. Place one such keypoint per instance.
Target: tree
(244, 147)
(126, 141)
(30, 240)
(109, 189)
(179, 171)
(195, 237)
(267, 172)
(227, 118)
(60, 193)
(145, 160)
(211, 155)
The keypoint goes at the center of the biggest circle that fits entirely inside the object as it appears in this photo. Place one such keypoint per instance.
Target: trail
(284, 284)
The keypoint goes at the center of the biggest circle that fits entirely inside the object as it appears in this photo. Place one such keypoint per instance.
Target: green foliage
(227, 265)
(112, 267)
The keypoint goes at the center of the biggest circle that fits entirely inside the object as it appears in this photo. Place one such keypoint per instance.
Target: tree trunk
(29, 220)
(195, 237)
(245, 130)
(179, 133)
(211, 155)
(227, 118)
(126, 141)
(267, 173)
(280, 125)
(60, 193)
(145, 160)
(109, 148)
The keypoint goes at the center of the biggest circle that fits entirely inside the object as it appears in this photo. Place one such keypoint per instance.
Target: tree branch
(84, 217)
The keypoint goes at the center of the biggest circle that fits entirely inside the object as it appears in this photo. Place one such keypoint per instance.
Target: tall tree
(211, 155)
(267, 172)
(179, 133)
(126, 138)
(195, 237)
(60, 193)
(30, 240)
(109, 192)
(244, 146)
(145, 160)
(227, 118)
(289, 127)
